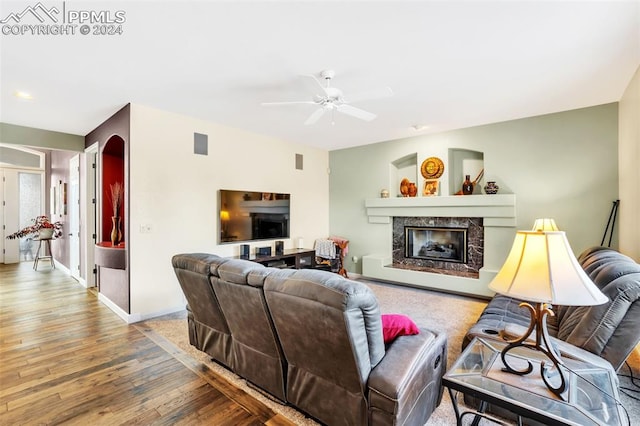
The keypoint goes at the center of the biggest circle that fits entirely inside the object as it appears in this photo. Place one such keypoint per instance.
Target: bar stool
(47, 243)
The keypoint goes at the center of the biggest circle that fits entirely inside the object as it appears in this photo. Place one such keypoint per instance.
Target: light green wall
(629, 157)
(20, 135)
(18, 158)
(562, 165)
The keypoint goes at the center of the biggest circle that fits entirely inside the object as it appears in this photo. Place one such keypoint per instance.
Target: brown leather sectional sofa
(311, 339)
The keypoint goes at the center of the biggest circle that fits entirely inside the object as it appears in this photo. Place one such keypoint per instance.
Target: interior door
(11, 215)
(74, 216)
(2, 223)
(23, 201)
(88, 191)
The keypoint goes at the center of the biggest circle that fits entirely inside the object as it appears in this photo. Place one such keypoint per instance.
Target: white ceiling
(450, 64)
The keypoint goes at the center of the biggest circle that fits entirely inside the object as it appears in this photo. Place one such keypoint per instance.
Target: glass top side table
(591, 397)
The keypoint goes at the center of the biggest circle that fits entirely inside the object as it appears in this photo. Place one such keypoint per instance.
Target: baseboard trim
(135, 317)
(66, 270)
(115, 308)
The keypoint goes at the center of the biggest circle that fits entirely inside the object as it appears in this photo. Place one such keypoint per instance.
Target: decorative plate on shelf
(432, 168)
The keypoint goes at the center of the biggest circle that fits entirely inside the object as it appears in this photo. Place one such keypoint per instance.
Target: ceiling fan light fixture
(328, 74)
(22, 95)
(333, 99)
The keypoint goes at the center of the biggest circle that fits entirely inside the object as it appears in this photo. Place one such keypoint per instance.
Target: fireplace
(441, 245)
(490, 221)
(433, 243)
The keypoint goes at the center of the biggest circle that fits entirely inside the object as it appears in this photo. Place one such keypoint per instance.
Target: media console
(289, 259)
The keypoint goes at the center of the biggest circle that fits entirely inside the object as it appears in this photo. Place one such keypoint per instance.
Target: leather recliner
(257, 355)
(208, 329)
(607, 332)
(314, 340)
(339, 370)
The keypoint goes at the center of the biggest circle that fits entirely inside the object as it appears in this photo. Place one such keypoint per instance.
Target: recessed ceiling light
(418, 127)
(23, 95)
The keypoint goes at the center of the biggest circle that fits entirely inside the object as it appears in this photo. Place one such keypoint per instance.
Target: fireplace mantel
(498, 209)
(499, 220)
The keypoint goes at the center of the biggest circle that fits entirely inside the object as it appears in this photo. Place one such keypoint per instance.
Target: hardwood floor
(66, 358)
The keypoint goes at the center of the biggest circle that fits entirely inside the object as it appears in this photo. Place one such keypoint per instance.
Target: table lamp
(541, 268)
(545, 224)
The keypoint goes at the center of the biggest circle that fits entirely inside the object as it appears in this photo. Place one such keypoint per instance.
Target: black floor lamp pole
(612, 215)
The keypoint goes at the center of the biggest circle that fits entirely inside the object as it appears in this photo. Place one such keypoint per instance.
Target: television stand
(289, 259)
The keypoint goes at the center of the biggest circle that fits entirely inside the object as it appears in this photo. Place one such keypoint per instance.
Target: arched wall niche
(113, 170)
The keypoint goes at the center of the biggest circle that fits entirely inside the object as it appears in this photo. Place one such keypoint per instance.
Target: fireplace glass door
(433, 243)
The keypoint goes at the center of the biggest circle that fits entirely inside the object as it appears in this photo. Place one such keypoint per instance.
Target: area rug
(441, 312)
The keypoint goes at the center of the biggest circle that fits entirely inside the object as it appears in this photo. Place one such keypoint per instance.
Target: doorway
(23, 200)
(89, 215)
(74, 217)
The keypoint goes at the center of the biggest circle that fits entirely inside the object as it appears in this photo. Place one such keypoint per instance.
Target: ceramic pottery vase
(491, 188)
(116, 234)
(404, 187)
(45, 233)
(412, 189)
(467, 186)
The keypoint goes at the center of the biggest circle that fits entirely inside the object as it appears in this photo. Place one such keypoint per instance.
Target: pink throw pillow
(394, 325)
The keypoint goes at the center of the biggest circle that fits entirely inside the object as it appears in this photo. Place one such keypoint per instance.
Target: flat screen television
(252, 216)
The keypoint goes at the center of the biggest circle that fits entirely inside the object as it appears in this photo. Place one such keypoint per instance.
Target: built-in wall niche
(464, 162)
(405, 167)
(459, 163)
(113, 170)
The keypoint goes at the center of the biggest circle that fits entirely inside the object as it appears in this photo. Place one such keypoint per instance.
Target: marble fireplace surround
(498, 213)
(474, 247)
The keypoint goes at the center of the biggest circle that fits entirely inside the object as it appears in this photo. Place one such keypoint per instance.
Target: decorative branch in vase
(116, 197)
(116, 202)
(41, 226)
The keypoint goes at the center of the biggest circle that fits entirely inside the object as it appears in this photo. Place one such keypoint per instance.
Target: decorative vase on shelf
(404, 187)
(116, 233)
(467, 186)
(412, 189)
(491, 188)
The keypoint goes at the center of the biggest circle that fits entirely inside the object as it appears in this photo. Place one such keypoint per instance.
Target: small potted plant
(41, 226)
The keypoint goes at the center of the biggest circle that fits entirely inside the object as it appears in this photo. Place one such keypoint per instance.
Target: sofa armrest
(406, 385)
(611, 329)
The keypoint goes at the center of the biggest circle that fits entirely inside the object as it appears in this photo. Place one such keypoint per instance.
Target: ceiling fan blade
(317, 83)
(383, 92)
(315, 116)
(356, 112)
(288, 103)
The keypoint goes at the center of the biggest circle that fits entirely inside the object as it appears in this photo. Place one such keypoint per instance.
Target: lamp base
(542, 344)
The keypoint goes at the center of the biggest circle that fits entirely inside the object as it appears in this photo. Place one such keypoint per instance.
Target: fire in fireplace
(436, 243)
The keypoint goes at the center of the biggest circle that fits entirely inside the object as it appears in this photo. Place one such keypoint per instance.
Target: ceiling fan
(332, 99)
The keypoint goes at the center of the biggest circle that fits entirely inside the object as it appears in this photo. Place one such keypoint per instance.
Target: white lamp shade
(545, 224)
(542, 268)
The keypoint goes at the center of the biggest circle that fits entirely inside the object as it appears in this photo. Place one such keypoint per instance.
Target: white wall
(174, 191)
(561, 165)
(629, 177)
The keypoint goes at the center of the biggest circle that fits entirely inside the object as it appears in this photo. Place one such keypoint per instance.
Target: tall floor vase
(116, 233)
